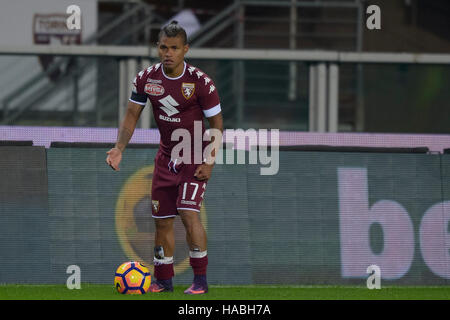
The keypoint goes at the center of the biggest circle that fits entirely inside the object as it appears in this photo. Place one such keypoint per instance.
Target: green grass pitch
(108, 292)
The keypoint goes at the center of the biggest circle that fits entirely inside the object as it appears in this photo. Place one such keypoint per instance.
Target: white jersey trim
(212, 112)
(141, 103)
(188, 209)
(184, 70)
(171, 216)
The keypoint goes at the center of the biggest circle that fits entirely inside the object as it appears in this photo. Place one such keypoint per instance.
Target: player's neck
(174, 72)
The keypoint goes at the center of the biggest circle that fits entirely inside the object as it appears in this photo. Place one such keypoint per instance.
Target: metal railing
(324, 69)
(235, 16)
(291, 24)
(39, 86)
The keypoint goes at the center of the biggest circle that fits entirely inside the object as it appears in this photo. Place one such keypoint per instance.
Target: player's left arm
(203, 171)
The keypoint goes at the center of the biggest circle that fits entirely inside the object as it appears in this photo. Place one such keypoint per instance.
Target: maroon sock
(163, 271)
(199, 265)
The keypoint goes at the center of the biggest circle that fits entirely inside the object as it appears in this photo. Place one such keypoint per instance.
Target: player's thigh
(164, 191)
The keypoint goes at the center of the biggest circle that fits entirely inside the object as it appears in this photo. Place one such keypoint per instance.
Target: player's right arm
(126, 130)
(136, 103)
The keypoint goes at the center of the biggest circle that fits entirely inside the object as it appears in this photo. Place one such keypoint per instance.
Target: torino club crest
(187, 89)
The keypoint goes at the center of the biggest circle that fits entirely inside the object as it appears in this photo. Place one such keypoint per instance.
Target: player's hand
(114, 157)
(203, 171)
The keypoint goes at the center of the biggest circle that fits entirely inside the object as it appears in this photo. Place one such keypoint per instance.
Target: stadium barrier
(24, 214)
(323, 219)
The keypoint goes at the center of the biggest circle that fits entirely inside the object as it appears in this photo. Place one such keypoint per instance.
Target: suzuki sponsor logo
(168, 105)
(168, 119)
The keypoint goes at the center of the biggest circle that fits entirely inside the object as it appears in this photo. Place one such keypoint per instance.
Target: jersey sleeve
(137, 90)
(208, 97)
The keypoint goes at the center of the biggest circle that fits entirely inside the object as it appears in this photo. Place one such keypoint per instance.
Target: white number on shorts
(185, 188)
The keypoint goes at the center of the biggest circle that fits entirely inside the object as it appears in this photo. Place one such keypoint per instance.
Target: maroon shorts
(174, 187)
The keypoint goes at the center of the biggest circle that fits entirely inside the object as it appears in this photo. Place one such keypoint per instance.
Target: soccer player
(180, 94)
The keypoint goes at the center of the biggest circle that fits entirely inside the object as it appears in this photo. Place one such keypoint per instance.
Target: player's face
(171, 52)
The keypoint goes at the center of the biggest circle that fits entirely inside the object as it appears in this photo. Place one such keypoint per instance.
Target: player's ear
(186, 48)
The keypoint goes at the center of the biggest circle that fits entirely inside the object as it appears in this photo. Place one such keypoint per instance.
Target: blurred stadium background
(364, 135)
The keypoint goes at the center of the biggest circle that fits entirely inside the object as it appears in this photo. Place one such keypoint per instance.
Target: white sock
(198, 254)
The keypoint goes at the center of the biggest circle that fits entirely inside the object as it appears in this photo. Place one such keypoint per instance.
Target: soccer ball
(132, 277)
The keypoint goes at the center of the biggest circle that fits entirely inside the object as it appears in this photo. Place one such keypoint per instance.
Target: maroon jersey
(176, 102)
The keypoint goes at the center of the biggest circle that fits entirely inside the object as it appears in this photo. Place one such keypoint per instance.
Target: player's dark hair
(173, 29)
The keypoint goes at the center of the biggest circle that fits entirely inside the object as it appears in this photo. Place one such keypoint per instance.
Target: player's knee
(164, 224)
(189, 218)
